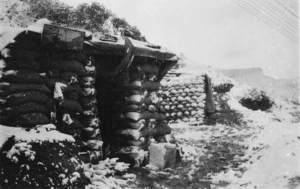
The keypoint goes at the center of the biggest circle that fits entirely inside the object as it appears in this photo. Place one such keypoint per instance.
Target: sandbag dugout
(127, 83)
(48, 78)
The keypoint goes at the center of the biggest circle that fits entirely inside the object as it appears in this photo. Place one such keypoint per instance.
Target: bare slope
(255, 77)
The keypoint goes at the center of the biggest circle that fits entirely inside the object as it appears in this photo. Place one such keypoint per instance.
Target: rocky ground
(242, 149)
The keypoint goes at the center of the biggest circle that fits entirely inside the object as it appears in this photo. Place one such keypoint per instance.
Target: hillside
(93, 17)
(256, 77)
(15, 13)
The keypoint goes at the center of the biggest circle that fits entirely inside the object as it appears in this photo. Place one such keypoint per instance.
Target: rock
(162, 155)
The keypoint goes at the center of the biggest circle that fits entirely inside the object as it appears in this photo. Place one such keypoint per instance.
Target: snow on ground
(273, 153)
(278, 161)
(273, 159)
(265, 148)
(39, 133)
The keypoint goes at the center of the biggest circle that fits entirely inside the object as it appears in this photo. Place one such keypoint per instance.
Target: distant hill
(255, 77)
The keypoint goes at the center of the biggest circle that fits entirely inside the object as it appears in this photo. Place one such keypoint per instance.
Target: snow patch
(274, 159)
(40, 133)
(7, 34)
(39, 25)
(43, 133)
(18, 149)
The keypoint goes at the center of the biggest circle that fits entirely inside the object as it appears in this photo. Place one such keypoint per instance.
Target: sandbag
(71, 95)
(152, 108)
(89, 105)
(132, 134)
(71, 106)
(14, 88)
(50, 83)
(90, 133)
(135, 116)
(4, 85)
(89, 92)
(77, 56)
(133, 92)
(28, 96)
(92, 122)
(151, 98)
(68, 77)
(2, 102)
(131, 108)
(75, 124)
(63, 55)
(123, 124)
(22, 76)
(86, 100)
(134, 85)
(12, 64)
(20, 54)
(128, 142)
(64, 66)
(29, 120)
(89, 114)
(134, 99)
(72, 92)
(87, 81)
(90, 71)
(27, 40)
(28, 107)
(72, 88)
(132, 116)
(53, 74)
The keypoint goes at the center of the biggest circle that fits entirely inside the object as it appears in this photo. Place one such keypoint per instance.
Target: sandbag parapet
(24, 96)
(184, 98)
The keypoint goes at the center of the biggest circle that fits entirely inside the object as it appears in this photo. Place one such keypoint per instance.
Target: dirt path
(205, 150)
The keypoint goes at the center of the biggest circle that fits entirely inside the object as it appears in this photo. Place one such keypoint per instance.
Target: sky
(218, 33)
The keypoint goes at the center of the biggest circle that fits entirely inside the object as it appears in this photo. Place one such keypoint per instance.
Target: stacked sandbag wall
(24, 96)
(137, 117)
(41, 85)
(71, 75)
(88, 101)
(184, 98)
